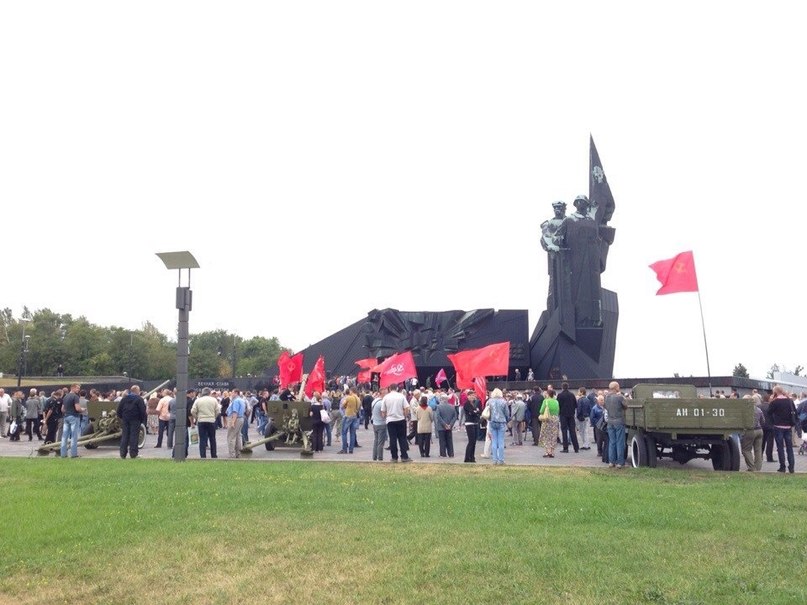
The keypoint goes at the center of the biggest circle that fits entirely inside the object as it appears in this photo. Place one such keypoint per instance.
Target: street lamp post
(235, 354)
(23, 361)
(25, 352)
(179, 261)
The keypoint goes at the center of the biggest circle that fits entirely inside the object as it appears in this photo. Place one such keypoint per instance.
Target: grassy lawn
(145, 531)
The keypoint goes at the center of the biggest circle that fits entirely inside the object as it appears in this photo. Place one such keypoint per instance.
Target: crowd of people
(555, 419)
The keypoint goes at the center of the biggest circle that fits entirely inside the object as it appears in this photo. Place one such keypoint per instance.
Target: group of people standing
(776, 418)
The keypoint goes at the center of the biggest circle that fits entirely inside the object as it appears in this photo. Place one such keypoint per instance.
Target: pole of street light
(184, 300)
(23, 352)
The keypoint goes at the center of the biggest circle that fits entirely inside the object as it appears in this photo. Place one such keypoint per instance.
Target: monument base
(558, 353)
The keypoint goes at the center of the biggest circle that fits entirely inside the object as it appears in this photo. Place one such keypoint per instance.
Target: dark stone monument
(576, 335)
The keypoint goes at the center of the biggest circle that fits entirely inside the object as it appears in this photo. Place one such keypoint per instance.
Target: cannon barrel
(247, 447)
(44, 450)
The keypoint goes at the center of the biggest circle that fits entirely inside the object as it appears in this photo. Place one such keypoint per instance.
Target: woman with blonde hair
(550, 423)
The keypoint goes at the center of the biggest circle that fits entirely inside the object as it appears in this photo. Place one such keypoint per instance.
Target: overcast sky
(322, 159)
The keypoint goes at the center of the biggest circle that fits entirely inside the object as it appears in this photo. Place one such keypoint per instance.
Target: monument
(576, 335)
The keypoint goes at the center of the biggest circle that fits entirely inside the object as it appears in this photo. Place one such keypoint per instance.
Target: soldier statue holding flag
(576, 335)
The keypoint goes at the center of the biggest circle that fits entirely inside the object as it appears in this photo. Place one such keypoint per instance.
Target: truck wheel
(141, 437)
(720, 455)
(638, 451)
(652, 457)
(733, 445)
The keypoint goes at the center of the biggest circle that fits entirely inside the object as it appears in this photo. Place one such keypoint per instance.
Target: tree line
(86, 349)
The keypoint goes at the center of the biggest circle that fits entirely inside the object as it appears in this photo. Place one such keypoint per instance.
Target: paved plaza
(524, 455)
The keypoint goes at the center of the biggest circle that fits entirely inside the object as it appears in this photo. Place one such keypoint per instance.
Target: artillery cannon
(289, 425)
(671, 421)
(104, 427)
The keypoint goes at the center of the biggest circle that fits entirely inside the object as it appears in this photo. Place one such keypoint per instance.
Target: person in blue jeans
(782, 412)
(72, 421)
(350, 407)
(497, 425)
(615, 406)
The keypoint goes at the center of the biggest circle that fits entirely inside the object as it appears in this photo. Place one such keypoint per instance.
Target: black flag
(599, 192)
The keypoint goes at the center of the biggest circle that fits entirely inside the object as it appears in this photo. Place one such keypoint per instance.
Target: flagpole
(705, 346)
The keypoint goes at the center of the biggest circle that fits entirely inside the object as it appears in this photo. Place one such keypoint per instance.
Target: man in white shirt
(394, 411)
(5, 401)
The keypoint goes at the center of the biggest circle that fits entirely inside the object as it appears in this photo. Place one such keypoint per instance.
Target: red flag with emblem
(676, 274)
(316, 379)
(291, 368)
(396, 369)
(441, 377)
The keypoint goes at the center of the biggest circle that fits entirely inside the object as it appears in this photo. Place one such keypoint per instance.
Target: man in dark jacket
(767, 427)
(568, 409)
(132, 413)
(783, 415)
(367, 408)
(534, 407)
(583, 417)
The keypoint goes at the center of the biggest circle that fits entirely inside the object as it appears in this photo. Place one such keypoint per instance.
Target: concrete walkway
(524, 455)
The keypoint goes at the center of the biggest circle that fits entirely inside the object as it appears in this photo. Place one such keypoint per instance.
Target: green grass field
(144, 531)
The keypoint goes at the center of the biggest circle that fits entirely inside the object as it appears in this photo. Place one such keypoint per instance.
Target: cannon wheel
(141, 437)
(89, 430)
(638, 451)
(270, 445)
(652, 457)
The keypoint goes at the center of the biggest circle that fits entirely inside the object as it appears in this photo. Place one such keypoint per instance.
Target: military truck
(671, 421)
(289, 425)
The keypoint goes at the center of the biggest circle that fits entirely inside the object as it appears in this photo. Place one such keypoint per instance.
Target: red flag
(441, 377)
(366, 364)
(291, 368)
(676, 274)
(316, 379)
(365, 375)
(493, 360)
(282, 367)
(481, 388)
(396, 369)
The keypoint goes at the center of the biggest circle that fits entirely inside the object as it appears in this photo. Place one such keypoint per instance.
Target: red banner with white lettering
(396, 369)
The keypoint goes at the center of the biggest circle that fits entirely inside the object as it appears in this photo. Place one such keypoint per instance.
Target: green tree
(88, 349)
(798, 370)
(256, 355)
(774, 368)
(740, 371)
